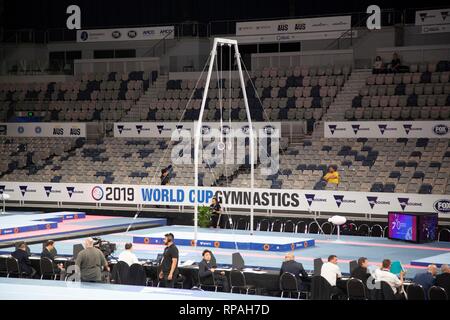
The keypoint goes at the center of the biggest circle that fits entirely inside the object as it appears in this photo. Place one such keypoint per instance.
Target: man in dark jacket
(361, 272)
(296, 268)
(426, 279)
(50, 252)
(22, 256)
(443, 279)
(207, 270)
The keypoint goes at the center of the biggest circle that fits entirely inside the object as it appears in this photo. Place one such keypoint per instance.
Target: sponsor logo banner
(291, 200)
(297, 36)
(126, 34)
(436, 28)
(387, 129)
(45, 129)
(433, 17)
(293, 26)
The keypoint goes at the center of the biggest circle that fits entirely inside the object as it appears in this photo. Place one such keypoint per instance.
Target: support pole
(252, 150)
(197, 137)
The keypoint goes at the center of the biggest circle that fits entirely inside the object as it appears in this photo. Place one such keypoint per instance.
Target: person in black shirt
(22, 256)
(207, 269)
(395, 63)
(361, 272)
(296, 268)
(165, 175)
(169, 265)
(443, 279)
(50, 253)
(215, 210)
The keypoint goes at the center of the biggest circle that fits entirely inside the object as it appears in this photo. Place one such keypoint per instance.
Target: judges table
(266, 281)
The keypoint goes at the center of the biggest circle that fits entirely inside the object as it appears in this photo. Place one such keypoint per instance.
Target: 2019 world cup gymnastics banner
(243, 198)
(388, 129)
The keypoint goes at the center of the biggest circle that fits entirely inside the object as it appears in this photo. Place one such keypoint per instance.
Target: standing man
(91, 262)
(216, 212)
(169, 265)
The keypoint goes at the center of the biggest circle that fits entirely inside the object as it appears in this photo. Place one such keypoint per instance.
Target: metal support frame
(197, 134)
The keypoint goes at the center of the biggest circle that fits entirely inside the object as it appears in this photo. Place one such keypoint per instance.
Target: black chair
(12, 267)
(137, 275)
(242, 224)
(320, 288)
(317, 266)
(327, 228)
(356, 290)
(277, 226)
(47, 269)
(353, 265)
(383, 291)
(290, 285)
(444, 235)
(385, 229)
(289, 226)
(300, 227)
(363, 230)
(437, 293)
(3, 270)
(207, 283)
(239, 282)
(264, 225)
(120, 273)
(376, 231)
(313, 227)
(415, 292)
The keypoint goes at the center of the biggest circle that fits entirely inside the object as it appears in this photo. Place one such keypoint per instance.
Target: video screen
(428, 226)
(402, 226)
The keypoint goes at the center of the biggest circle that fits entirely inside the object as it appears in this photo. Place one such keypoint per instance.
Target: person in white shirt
(331, 271)
(127, 255)
(384, 274)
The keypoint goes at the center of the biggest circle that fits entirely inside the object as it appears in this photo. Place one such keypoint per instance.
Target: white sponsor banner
(442, 28)
(388, 129)
(165, 129)
(126, 34)
(43, 129)
(293, 26)
(150, 129)
(297, 36)
(433, 17)
(291, 200)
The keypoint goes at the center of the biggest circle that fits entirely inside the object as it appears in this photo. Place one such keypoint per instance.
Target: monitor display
(427, 227)
(402, 226)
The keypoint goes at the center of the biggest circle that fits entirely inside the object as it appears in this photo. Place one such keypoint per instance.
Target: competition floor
(349, 248)
(48, 290)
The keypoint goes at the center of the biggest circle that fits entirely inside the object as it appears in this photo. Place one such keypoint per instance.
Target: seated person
(426, 279)
(377, 66)
(23, 258)
(332, 176)
(50, 252)
(361, 272)
(296, 268)
(215, 210)
(331, 272)
(384, 274)
(443, 279)
(206, 270)
(395, 63)
(127, 255)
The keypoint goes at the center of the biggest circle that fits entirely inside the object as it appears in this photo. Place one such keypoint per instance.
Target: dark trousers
(222, 281)
(215, 220)
(166, 283)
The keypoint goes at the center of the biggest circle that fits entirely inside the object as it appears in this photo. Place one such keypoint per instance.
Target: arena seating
(88, 97)
(413, 95)
(286, 94)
